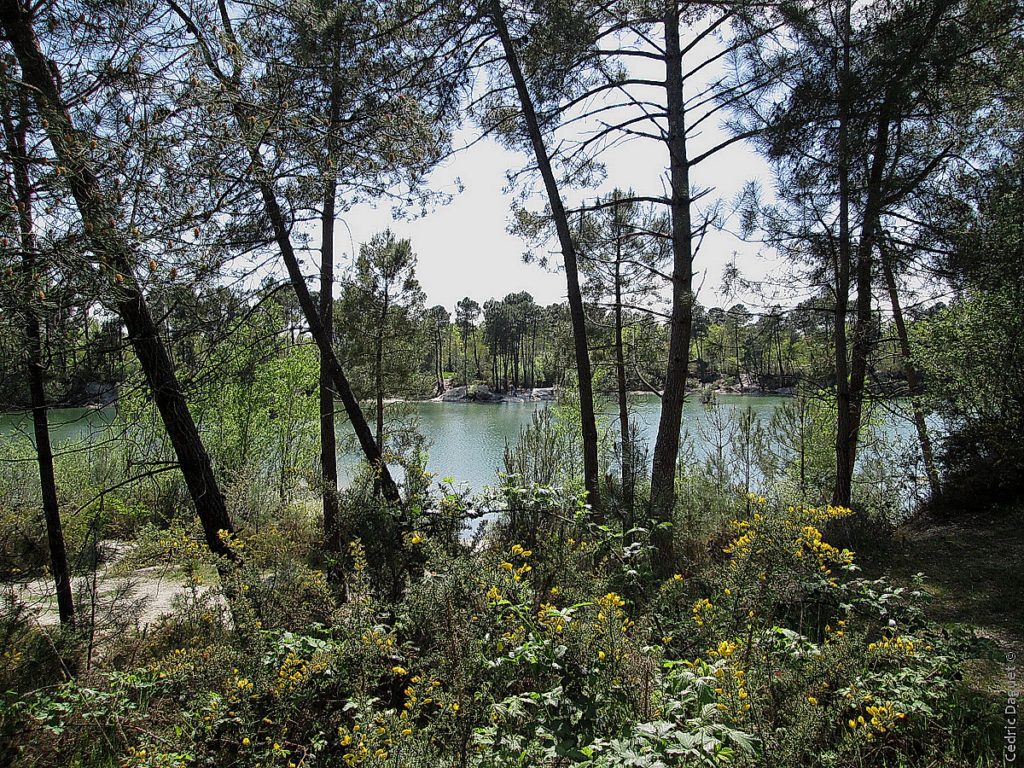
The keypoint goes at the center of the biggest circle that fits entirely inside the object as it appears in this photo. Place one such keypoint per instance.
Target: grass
(974, 571)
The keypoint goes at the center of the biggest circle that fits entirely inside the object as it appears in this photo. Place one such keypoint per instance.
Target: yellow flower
(601, 655)
(725, 649)
(401, 671)
(245, 742)
(417, 538)
(812, 701)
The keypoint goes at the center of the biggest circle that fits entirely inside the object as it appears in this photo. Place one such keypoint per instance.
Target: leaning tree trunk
(272, 207)
(628, 474)
(913, 380)
(328, 438)
(666, 446)
(99, 216)
(588, 422)
(17, 136)
(370, 447)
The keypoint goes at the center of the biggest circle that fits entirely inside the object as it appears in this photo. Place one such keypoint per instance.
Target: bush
(558, 648)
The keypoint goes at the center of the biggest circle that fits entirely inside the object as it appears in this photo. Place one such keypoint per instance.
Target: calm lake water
(466, 440)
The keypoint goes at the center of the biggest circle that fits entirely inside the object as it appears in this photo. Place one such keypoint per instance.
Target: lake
(467, 440)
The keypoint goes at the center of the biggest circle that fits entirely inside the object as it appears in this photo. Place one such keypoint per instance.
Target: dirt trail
(112, 596)
(974, 572)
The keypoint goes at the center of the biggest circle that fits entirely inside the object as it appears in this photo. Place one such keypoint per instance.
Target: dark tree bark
(588, 422)
(844, 416)
(99, 216)
(328, 438)
(628, 474)
(666, 446)
(476, 359)
(913, 380)
(17, 135)
(863, 328)
(378, 368)
(272, 206)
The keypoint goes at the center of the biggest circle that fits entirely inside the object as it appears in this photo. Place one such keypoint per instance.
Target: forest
(265, 502)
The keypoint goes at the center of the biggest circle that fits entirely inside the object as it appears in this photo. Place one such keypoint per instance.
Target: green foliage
(518, 652)
(970, 354)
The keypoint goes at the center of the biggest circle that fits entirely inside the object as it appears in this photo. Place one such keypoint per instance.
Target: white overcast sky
(464, 248)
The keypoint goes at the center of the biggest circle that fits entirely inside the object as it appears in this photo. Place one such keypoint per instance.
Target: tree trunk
(588, 423)
(841, 492)
(438, 367)
(378, 371)
(476, 359)
(99, 217)
(666, 446)
(328, 438)
(913, 382)
(620, 380)
(272, 207)
(17, 136)
(863, 335)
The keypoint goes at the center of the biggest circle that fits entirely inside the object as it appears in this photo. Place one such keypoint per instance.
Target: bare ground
(974, 571)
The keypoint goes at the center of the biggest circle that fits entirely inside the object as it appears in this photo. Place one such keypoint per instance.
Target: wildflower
(812, 701)
(612, 599)
(725, 649)
(416, 538)
(701, 609)
(245, 742)
(400, 671)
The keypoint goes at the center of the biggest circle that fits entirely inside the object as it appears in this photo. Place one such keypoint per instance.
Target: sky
(464, 248)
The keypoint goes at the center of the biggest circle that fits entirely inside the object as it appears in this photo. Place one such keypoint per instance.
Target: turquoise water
(467, 440)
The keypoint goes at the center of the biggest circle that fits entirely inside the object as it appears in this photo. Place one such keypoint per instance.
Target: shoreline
(482, 396)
